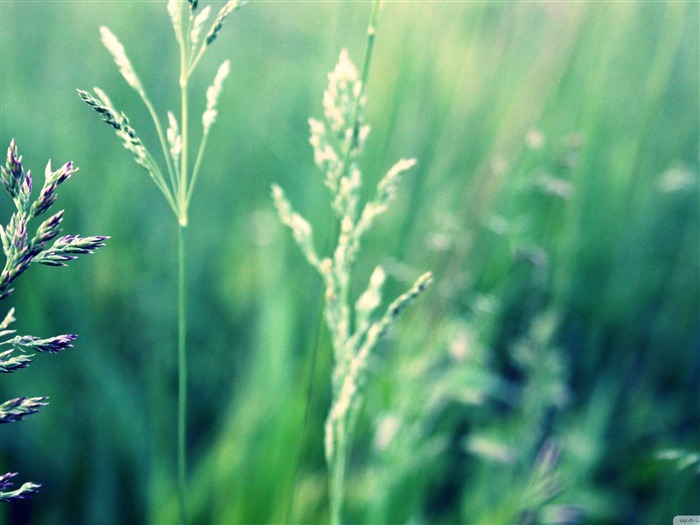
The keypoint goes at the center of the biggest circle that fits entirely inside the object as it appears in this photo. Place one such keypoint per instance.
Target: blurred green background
(555, 199)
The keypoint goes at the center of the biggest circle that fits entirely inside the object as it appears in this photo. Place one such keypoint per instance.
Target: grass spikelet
(199, 22)
(228, 8)
(115, 47)
(209, 116)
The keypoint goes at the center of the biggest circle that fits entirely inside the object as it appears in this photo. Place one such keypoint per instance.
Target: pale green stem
(182, 311)
(337, 475)
(182, 187)
(161, 139)
(195, 170)
(194, 63)
(182, 378)
(157, 177)
(371, 31)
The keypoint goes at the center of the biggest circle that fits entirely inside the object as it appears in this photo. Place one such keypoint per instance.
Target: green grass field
(555, 199)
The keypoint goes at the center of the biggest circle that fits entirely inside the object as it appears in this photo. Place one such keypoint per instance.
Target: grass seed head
(19, 408)
(111, 42)
(24, 492)
(230, 6)
(213, 92)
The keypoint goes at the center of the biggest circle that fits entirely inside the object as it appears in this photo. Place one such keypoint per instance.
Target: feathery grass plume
(176, 176)
(337, 144)
(20, 250)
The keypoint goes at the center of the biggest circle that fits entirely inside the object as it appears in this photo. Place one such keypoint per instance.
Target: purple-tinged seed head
(19, 408)
(26, 188)
(14, 161)
(5, 482)
(45, 200)
(12, 175)
(53, 345)
(9, 363)
(5, 290)
(64, 172)
(24, 492)
(49, 228)
(50, 345)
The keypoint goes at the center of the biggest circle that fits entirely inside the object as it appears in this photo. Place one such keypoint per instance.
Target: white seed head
(174, 10)
(340, 100)
(372, 296)
(390, 180)
(117, 50)
(199, 21)
(213, 92)
(174, 138)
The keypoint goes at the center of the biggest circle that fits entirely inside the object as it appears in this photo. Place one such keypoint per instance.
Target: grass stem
(182, 379)
(182, 298)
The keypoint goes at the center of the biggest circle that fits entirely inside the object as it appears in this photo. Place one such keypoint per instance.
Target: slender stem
(337, 474)
(353, 141)
(161, 136)
(182, 311)
(182, 378)
(371, 30)
(182, 186)
(195, 61)
(197, 162)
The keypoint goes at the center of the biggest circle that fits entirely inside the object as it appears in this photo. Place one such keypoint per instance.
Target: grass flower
(176, 177)
(355, 330)
(21, 248)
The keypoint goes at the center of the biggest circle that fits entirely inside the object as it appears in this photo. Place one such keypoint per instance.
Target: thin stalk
(371, 31)
(195, 61)
(182, 304)
(195, 170)
(182, 187)
(161, 137)
(182, 378)
(338, 479)
(341, 429)
(157, 177)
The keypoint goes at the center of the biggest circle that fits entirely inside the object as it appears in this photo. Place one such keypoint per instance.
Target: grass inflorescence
(21, 248)
(177, 179)
(338, 142)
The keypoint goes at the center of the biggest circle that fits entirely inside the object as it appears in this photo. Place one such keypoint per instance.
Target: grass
(338, 142)
(614, 267)
(23, 245)
(178, 186)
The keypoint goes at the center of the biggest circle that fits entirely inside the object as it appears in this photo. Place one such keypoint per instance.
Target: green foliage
(555, 201)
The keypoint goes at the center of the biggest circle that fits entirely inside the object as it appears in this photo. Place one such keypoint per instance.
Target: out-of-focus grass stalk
(355, 329)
